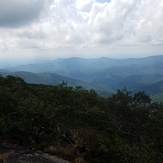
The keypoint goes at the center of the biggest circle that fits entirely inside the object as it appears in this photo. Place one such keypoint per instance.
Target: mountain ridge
(100, 63)
(98, 73)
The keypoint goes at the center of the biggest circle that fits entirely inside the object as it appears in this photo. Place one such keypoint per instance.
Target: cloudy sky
(42, 29)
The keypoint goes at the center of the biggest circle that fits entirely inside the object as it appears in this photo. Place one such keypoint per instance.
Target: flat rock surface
(17, 154)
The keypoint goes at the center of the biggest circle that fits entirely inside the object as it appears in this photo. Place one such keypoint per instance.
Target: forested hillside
(105, 75)
(79, 125)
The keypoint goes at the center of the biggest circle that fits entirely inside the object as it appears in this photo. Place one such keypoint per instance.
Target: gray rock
(18, 154)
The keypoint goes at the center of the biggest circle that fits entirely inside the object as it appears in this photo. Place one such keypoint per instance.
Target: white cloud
(80, 26)
(15, 13)
(82, 5)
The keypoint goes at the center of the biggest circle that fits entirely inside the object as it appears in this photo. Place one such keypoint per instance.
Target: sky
(38, 30)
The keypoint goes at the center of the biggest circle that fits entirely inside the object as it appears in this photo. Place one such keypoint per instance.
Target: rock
(17, 154)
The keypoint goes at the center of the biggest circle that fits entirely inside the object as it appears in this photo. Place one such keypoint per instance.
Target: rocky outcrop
(17, 154)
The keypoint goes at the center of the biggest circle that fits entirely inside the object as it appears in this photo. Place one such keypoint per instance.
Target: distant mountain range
(105, 75)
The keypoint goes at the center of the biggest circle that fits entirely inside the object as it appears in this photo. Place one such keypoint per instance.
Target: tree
(141, 99)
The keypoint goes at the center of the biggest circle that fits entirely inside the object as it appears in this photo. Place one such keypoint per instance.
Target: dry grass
(69, 153)
(1, 158)
(78, 160)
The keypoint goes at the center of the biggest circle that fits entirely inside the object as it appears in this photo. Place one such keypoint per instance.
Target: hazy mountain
(155, 88)
(157, 97)
(45, 78)
(72, 65)
(69, 65)
(102, 74)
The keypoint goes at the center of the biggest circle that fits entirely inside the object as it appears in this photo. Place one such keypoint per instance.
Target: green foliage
(78, 123)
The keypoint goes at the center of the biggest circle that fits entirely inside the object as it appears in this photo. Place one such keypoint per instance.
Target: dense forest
(79, 125)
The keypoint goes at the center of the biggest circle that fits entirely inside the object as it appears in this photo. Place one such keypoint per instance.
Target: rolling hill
(102, 74)
(45, 78)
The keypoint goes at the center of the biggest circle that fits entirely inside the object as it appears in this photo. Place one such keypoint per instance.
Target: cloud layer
(79, 26)
(15, 13)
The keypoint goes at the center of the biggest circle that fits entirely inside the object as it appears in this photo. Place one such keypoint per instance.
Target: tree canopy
(74, 122)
